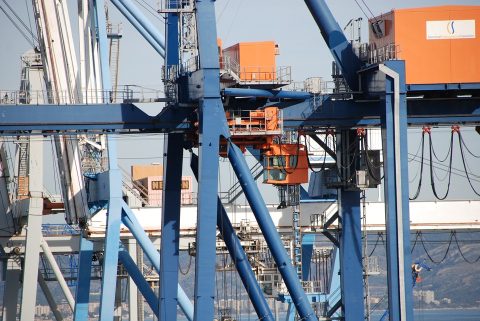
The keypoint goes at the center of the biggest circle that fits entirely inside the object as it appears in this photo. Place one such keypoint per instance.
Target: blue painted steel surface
(270, 233)
(275, 94)
(239, 257)
(212, 125)
(334, 279)
(443, 87)
(170, 237)
(350, 113)
(137, 277)
(112, 237)
(307, 248)
(351, 269)
(394, 132)
(16, 119)
(109, 117)
(82, 291)
(142, 24)
(336, 41)
(290, 316)
(169, 252)
(131, 222)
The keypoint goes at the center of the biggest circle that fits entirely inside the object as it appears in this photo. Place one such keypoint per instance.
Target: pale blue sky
(288, 22)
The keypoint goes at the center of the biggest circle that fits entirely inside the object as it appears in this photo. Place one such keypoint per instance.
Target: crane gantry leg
(397, 218)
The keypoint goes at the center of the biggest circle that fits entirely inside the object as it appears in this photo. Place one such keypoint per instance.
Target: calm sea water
(448, 315)
(420, 315)
(442, 315)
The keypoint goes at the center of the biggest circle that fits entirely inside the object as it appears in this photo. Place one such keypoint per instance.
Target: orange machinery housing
(439, 44)
(255, 60)
(285, 164)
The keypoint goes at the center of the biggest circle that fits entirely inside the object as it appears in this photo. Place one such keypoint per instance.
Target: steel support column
(394, 136)
(270, 233)
(307, 250)
(238, 256)
(351, 269)
(132, 288)
(33, 230)
(169, 252)
(172, 179)
(212, 125)
(12, 287)
(82, 292)
(112, 237)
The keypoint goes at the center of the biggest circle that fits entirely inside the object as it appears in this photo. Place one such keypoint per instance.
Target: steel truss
(380, 99)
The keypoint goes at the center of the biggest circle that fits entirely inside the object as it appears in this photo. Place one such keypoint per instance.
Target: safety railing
(60, 229)
(125, 94)
(379, 55)
(166, 6)
(313, 85)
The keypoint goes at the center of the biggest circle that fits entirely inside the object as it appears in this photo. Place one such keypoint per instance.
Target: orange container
(254, 61)
(439, 44)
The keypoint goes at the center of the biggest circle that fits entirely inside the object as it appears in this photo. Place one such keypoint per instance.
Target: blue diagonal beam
(82, 291)
(142, 24)
(131, 222)
(137, 277)
(270, 233)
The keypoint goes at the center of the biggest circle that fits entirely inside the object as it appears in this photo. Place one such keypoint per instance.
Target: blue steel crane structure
(378, 98)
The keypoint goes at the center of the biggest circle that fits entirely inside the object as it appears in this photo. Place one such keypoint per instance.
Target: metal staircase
(137, 190)
(22, 177)
(114, 57)
(236, 190)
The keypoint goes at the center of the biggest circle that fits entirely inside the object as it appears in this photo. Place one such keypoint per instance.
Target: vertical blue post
(112, 237)
(394, 135)
(351, 270)
(212, 125)
(285, 267)
(290, 312)
(82, 292)
(169, 252)
(172, 177)
(139, 279)
(239, 257)
(307, 249)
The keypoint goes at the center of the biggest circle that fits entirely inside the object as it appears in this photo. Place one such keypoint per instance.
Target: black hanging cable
(461, 252)
(435, 154)
(432, 180)
(428, 254)
(368, 161)
(419, 186)
(466, 147)
(417, 235)
(379, 237)
(465, 166)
